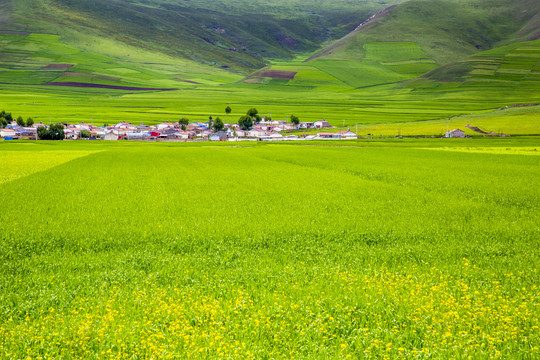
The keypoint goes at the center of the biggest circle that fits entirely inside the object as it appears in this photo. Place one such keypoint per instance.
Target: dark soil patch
(58, 67)
(277, 74)
(86, 75)
(11, 32)
(474, 128)
(102, 86)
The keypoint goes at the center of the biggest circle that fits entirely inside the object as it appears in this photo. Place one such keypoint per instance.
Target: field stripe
(19, 164)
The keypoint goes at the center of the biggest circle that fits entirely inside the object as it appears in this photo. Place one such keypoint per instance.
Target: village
(265, 130)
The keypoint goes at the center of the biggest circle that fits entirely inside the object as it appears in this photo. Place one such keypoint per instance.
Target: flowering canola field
(376, 250)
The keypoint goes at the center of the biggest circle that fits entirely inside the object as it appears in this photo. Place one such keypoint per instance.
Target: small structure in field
(329, 135)
(110, 136)
(456, 133)
(347, 134)
(321, 124)
(219, 136)
(9, 133)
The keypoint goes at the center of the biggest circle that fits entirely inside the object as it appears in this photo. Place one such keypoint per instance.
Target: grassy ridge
(446, 30)
(390, 249)
(239, 35)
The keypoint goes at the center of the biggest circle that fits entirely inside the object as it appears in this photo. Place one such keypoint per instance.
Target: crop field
(361, 249)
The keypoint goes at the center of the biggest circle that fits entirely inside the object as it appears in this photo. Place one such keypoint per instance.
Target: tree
(43, 133)
(20, 121)
(8, 117)
(55, 132)
(218, 125)
(3, 121)
(252, 112)
(228, 111)
(29, 121)
(245, 122)
(85, 134)
(183, 123)
(295, 120)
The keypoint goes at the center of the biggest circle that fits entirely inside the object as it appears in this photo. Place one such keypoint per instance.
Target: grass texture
(379, 249)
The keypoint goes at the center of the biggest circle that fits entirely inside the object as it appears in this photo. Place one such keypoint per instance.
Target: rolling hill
(239, 35)
(445, 30)
(408, 40)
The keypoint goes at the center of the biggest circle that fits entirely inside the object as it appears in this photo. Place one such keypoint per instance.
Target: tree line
(6, 119)
(246, 122)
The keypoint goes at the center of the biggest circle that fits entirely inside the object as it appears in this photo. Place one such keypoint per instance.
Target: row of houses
(167, 131)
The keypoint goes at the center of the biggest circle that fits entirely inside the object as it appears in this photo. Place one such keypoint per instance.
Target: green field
(405, 248)
(386, 78)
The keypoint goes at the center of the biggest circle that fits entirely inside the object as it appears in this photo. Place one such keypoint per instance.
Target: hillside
(445, 30)
(407, 40)
(232, 34)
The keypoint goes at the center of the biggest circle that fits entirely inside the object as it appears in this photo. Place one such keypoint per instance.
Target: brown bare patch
(58, 67)
(253, 81)
(278, 74)
(86, 75)
(103, 86)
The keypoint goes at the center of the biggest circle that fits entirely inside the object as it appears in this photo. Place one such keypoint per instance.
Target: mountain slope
(236, 34)
(446, 30)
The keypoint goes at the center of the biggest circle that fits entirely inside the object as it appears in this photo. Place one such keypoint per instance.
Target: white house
(321, 124)
(456, 133)
(347, 134)
(306, 125)
(8, 133)
(219, 136)
(110, 136)
(165, 125)
(256, 132)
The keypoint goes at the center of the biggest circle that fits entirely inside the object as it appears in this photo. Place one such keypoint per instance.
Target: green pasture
(406, 248)
(383, 95)
(388, 52)
(28, 60)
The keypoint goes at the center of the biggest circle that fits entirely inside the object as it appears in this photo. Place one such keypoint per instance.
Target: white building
(347, 134)
(321, 124)
(110, 136)
(456, 133)
(8, 133)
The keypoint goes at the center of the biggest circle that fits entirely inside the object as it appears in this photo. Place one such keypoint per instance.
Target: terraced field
(35, 59)
(380, 249)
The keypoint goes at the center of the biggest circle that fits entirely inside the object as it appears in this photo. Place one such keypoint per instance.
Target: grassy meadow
(385, 94)
(361, 249)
